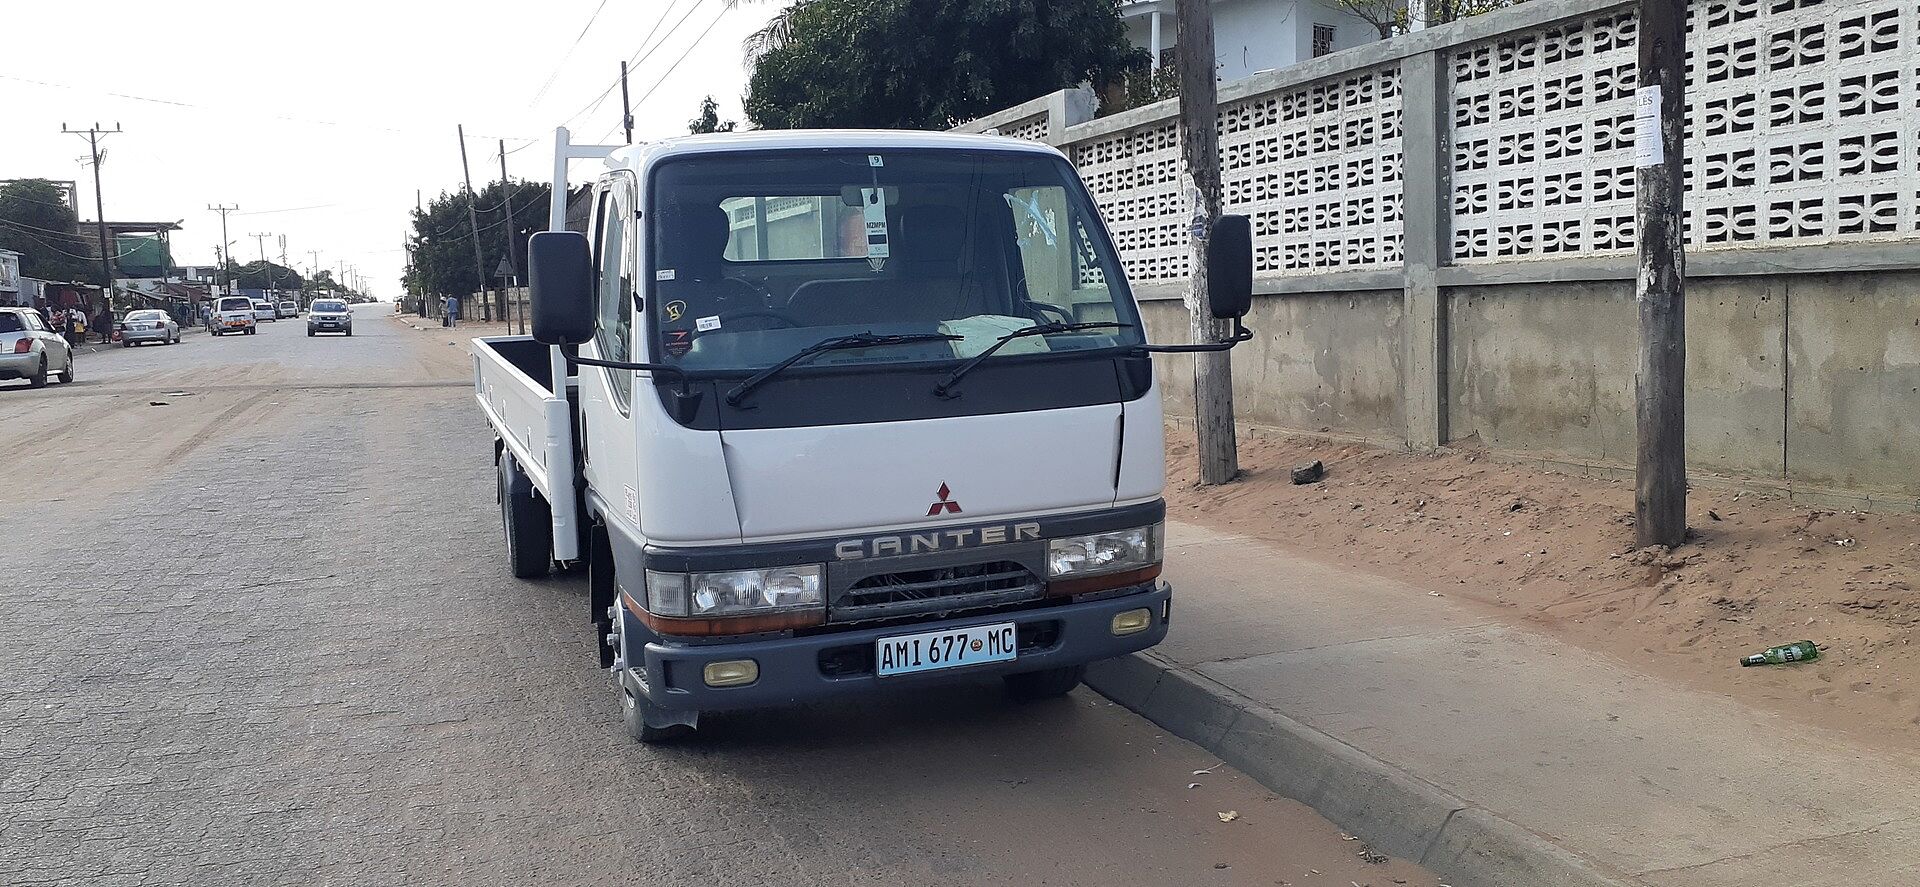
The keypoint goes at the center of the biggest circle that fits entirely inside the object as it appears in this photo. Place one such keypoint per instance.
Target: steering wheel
(1065, 315)
(783, 317)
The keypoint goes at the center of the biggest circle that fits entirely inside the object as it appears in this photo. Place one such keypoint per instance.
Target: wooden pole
(1200, 149)
(513, 261)
(1660, 500)
(473, 225)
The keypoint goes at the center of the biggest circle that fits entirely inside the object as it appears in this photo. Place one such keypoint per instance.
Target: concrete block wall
(1473, 281)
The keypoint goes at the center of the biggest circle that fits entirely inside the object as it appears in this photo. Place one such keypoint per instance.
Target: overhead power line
(567, 55)
(289, 118)
(35, 239)
(676, 63)
(640, 55)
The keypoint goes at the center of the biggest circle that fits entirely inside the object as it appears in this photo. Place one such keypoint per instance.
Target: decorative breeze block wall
(1803, 126)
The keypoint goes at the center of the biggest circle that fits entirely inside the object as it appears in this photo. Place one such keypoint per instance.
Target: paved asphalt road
(256, 628)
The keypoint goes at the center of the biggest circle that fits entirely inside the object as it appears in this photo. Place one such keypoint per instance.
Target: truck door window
(613, 324)
(1060, 266)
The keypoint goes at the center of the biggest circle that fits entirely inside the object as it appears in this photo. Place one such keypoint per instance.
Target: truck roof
(641, 155)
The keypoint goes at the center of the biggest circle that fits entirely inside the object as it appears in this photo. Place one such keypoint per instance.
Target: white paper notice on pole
(1648, 147)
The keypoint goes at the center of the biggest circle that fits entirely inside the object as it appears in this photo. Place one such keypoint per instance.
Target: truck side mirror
(560, 276)
(1230, 267)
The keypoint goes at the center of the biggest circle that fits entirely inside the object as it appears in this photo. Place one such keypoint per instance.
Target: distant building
(1250, 36)
(10, 278)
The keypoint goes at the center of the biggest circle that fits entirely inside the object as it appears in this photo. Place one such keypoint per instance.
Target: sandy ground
(1556, 553)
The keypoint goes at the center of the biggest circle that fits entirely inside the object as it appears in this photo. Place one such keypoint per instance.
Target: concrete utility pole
(225, 243)
(284, 263)
(626, 108)
(1660, 499)
(1200, 149)
(265, 269)
(414, 257)
(473, 222)
(93, 135)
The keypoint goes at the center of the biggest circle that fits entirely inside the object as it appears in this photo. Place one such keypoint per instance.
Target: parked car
(329, 316)
(148, 325)
(264, 310)
(232, 314)
(289, 309)
(29, 350)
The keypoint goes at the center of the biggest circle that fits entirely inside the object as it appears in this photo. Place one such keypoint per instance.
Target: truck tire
(527, 521)
(1035, 685)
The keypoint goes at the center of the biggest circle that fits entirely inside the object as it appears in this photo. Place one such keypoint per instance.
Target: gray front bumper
(795, 669)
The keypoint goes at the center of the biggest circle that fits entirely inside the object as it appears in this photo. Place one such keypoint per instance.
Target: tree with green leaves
(1391, 17)
(441, 243)
(927, 64)
(258, 275)
(37, 222)
(709, 119)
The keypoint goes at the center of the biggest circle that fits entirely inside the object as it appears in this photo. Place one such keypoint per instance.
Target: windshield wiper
(837, 343)
(945, 387)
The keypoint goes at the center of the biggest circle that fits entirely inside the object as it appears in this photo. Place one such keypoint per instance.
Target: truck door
(607, 394)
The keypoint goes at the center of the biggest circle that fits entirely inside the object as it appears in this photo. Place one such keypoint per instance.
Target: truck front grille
(966, 586)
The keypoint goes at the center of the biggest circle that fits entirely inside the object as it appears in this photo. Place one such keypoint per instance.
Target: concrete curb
(1394, 811)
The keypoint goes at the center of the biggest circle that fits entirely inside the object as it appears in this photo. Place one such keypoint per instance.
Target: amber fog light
(1132, 622)
(732, 672)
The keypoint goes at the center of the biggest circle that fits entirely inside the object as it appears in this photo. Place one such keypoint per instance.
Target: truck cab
(847, 410)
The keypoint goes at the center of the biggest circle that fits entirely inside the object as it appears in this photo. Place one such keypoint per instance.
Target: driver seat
(693, 244)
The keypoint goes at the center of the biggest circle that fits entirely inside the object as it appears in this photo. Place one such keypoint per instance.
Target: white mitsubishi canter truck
(823, 412)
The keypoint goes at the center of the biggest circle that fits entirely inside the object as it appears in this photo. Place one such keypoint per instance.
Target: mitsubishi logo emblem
(945, 504)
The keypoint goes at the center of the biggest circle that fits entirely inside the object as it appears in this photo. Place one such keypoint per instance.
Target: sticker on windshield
(875, 160)
(707, 324)
(663, 274)
(679, 342)
(674, 309)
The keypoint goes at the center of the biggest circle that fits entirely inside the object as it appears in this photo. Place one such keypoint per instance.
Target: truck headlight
(735, 592)
(1119, 551)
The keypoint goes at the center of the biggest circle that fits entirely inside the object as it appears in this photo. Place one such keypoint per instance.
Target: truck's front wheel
(527, 521)
(1048, 684)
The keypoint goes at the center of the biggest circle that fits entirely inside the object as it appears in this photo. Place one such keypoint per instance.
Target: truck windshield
(756, 256)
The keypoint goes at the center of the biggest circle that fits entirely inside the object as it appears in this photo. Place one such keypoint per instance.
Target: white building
(1250, 36)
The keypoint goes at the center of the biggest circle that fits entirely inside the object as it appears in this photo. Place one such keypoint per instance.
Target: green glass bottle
(1798, 651)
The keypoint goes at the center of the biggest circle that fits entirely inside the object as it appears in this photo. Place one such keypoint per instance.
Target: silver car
(148, 325)
(30, 351)
(329, 316)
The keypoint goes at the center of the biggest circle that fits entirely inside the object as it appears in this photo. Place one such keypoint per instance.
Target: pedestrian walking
(452, 318)
(72, 326)
(103, 323)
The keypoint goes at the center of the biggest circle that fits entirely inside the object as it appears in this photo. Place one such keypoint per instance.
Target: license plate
(952, 648)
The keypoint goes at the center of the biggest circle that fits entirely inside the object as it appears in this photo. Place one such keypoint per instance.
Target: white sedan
(148, 325)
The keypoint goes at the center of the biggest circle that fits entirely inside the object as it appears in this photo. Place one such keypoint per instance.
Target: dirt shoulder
(1555, 553)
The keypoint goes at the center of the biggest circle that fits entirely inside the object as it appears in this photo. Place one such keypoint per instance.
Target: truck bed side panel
(517, 402)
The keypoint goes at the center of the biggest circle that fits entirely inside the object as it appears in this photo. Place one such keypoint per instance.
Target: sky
(320, 120)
